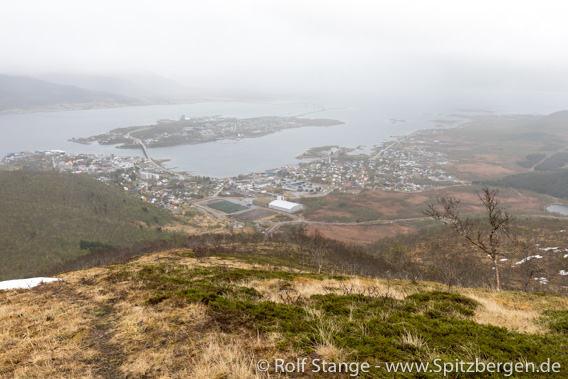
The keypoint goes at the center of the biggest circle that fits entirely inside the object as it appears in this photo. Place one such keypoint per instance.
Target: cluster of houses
(270, 182)
(134, 174)
(403, 167)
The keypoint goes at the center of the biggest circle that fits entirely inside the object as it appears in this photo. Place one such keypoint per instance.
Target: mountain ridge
(26, 93)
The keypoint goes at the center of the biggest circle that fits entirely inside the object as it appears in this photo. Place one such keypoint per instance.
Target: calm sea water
(556, 208)
(52, 130)
(366, 124)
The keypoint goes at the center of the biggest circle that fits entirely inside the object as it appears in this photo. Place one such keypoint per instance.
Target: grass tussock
(494, 312)
(170, 314)
(224, 357)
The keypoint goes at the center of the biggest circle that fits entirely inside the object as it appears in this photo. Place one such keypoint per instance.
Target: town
(405, 164)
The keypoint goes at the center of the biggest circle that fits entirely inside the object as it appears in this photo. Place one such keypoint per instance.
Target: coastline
(91, 106)
(215, 159)
(295, 160)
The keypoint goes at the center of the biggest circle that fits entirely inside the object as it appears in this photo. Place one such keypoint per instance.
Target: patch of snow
(25, 283)
(529, 258)
(503, 260)
(542, 280)
(565, 255)
(563, 273)
(549, 248)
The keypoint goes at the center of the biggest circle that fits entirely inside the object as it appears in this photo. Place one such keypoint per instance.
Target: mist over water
(365, 62)
(366, 119)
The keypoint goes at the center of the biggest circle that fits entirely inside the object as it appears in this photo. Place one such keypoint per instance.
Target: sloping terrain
(150, 87)
(44, 217)
(24, 93)
(180, 313)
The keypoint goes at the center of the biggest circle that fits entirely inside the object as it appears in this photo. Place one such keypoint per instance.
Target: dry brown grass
(42, 332)
(86, 326)
(223, 356)
(515, 317)
(207, 225)
(360, 233)
(91, 326)
(413, 339)
(306, 287)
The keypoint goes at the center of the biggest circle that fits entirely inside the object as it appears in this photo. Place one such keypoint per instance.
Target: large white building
(285, 206)
(149, 175)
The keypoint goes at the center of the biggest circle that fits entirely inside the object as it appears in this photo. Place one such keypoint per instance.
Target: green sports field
(226, 206)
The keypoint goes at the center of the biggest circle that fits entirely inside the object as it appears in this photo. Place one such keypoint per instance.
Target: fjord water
(366, 121)
(52, 130)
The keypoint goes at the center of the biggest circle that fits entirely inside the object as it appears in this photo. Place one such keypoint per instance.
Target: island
(187, 131)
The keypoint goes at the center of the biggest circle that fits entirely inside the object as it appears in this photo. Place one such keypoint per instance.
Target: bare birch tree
(485, 234)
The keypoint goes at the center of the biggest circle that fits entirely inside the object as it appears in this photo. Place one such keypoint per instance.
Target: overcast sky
(293, 44)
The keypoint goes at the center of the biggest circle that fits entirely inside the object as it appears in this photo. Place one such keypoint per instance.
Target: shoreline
(87, 107)
(378, 140)
(374, 149)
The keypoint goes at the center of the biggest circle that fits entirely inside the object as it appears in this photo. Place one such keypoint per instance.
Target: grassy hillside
(183, 313)
(45, 216)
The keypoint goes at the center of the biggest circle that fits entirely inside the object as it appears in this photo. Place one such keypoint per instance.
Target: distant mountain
(149, 87)
(24, 93)
(558, 119)
(97, 83)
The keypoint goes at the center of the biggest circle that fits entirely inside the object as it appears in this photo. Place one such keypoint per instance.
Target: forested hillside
(553, 183)
(45, 216)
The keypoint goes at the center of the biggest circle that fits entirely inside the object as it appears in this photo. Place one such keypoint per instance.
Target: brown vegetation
(97, 323)
(372, 205)
(490, 235)
(361, 233)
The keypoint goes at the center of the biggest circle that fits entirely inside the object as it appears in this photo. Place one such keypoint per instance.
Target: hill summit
(236, 311)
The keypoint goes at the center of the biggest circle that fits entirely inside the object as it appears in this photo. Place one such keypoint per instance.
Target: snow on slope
(25, 283)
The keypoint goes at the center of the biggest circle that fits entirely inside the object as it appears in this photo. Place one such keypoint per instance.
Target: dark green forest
(531, 160)
(45, 217)
(555, 161)
(553, 183)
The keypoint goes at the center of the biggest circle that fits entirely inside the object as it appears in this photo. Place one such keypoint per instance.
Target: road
(145, 150)
(383, 150)
(222, 217)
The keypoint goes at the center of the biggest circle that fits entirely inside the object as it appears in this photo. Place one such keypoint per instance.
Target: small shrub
(557, 321)
(157, 299)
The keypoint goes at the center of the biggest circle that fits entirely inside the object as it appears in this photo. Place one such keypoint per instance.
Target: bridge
(147, 156)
